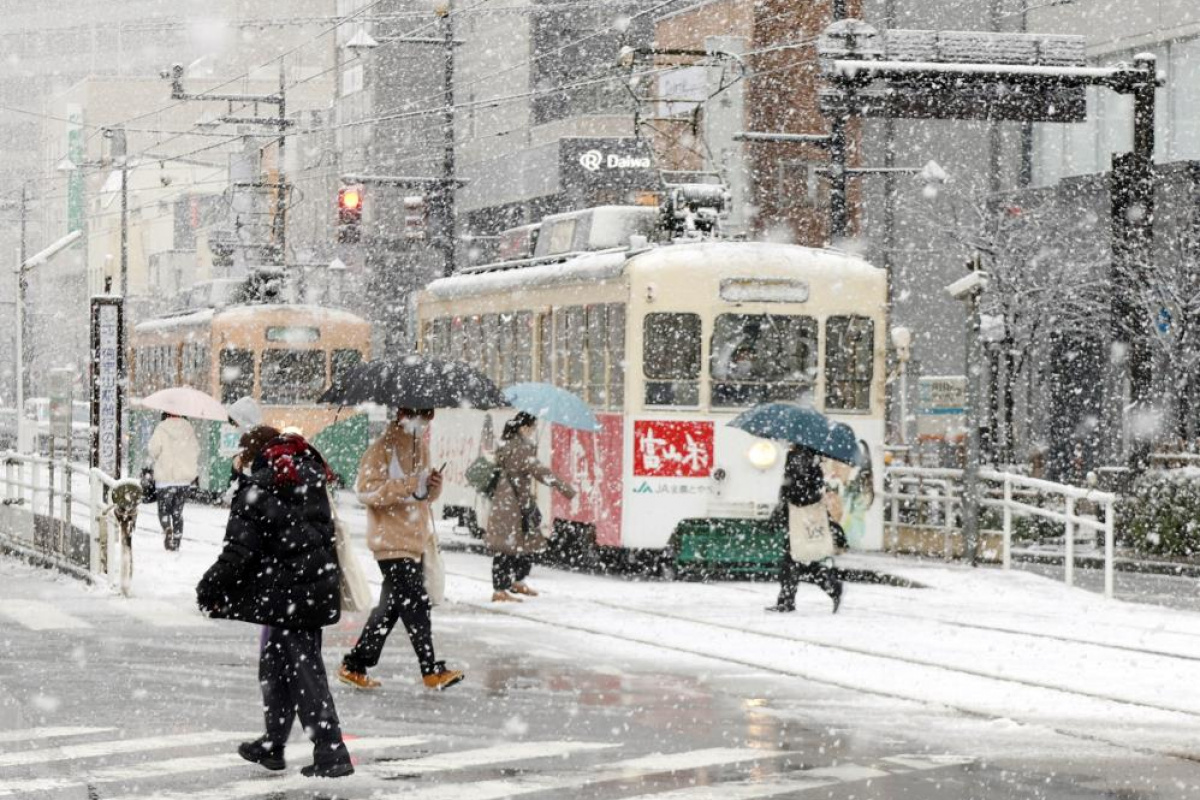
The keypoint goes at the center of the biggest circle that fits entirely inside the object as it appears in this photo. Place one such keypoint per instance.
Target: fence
(60, 514)
(929, 501)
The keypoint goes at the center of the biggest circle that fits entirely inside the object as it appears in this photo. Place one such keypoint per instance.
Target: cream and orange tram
(667, 344)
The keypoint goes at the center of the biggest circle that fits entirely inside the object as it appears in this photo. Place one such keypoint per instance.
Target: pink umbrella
(183, 401)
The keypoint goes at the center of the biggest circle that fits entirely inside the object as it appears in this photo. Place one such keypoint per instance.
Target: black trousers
(791, 573)
(403, 597)
(509, 569)
(170, 513)
(293, 680)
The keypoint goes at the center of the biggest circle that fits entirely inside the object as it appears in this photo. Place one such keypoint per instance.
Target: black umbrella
(414, 381)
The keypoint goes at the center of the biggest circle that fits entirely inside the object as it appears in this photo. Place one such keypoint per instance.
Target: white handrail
(910, 484)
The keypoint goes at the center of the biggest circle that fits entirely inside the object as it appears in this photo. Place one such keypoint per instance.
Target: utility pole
(279, 121)
(22, 288)
(449, 232)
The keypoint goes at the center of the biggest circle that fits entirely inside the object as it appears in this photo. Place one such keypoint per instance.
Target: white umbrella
(184, 401)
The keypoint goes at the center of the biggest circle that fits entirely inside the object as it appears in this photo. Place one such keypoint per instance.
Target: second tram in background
(284, 356)
(667, 343)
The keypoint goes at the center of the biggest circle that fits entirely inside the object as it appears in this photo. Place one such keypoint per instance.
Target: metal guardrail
(60, 513)
(932, 498)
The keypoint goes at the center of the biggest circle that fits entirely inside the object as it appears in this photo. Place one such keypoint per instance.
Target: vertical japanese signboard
(106, 372)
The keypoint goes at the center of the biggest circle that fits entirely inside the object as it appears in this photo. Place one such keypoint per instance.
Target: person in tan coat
(397, 486)
(514, 526)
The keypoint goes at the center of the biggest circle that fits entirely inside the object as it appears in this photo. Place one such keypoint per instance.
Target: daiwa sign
(594, 170)
(595, 160)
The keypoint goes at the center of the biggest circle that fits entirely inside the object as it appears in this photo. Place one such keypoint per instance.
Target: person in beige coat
(397, 485)
(174, 451)
(514, 525)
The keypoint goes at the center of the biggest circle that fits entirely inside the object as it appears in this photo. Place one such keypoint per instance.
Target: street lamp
(902, 342)
(37, 259)
(968, 289)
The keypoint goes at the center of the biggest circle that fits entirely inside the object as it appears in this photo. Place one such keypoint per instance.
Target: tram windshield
(758, 358)
(292, 377)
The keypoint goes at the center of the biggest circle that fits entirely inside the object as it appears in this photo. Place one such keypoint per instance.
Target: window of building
(849, 363)
(758, 358)
(237, 375)
(291, 377)
(671, 359)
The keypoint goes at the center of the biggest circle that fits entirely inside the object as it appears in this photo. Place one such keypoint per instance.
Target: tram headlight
(762, 455)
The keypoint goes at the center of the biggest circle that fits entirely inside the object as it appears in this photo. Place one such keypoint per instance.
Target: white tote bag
(435, 570)
(355, 591)
(809, 536)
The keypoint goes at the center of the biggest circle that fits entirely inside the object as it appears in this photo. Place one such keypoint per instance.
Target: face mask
(414, 425)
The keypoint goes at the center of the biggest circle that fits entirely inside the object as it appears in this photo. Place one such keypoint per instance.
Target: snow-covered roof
(246, 314)
(585, 268)
(202, 317)
(590, 268)
(317, 313)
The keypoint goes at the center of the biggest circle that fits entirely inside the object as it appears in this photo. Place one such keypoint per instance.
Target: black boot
(835, 594)
(259, 752)
(335, 765)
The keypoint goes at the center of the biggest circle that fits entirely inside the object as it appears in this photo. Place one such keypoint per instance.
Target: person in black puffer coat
(802, 495)
(279, 568)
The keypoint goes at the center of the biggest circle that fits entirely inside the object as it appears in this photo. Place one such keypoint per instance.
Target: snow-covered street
(980, 684)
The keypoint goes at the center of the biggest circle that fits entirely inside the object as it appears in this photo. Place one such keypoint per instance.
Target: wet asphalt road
(102, 698)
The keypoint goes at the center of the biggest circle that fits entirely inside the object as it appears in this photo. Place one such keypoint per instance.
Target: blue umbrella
(804, 426)
(552, 404)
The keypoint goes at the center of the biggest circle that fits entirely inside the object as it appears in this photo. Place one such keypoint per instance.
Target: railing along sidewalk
(1011, 493)
(41, 498)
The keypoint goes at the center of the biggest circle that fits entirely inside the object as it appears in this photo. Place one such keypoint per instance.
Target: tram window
(576, 348)
(671, 359)
(237, 375)
(757, 358)
(522, 359)
(505, 367)
(491, 346)
(472, 341)
(546, 348)
(560, 347)
(437, 341)
(291, 377)
(597, 352)
(457, 338)
(342, 360)
(616, 355)
(849, 363)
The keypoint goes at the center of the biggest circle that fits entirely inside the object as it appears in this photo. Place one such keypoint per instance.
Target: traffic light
(350, 206)
(416, 217)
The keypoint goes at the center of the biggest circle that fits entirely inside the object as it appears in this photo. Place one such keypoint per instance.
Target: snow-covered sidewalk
(1012, 648)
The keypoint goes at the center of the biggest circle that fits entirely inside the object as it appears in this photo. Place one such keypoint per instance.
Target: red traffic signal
(350, 206)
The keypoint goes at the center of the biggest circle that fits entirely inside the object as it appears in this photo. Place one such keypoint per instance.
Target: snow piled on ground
(1009, 664)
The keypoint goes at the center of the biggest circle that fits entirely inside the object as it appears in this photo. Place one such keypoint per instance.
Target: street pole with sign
(108, 365)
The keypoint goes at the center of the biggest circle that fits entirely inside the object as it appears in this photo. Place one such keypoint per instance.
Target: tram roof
(243, 314)
(606, 265)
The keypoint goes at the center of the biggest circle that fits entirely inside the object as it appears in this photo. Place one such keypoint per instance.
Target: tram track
(1032, 634)
(649, 641)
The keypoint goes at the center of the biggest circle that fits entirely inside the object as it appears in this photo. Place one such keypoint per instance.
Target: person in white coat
(175, 455)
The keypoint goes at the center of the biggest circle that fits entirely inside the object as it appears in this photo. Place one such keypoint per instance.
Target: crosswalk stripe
(924, 762)
(31, 734)
(738, 791)
(177, 766)
(465, 759)
(847, 773)
(39, 616)
(161, 614)
(621, 770)
(49, 755)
